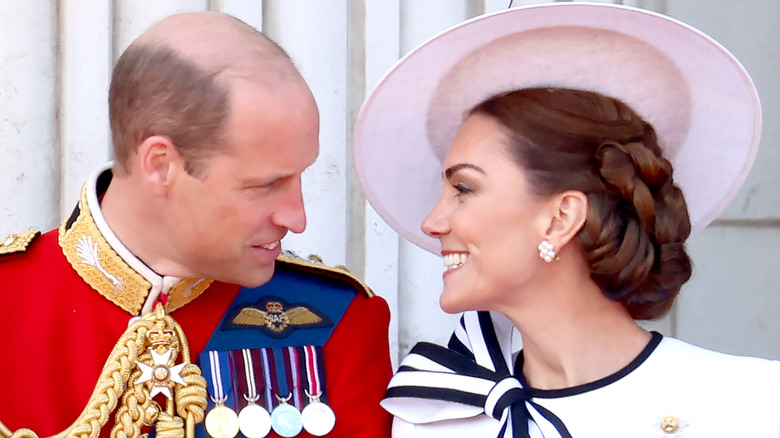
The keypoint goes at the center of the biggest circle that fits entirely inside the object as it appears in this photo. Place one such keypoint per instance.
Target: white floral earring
(547, 251)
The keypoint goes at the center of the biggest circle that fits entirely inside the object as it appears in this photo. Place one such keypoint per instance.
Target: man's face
(226, 224)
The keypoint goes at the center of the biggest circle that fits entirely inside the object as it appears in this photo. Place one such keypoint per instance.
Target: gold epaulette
(315, 265)
(17, 242)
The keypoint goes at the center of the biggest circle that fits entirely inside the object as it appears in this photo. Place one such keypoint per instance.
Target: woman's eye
(462, 189)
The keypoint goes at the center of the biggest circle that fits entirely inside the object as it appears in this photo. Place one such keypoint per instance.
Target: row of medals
(254, 421)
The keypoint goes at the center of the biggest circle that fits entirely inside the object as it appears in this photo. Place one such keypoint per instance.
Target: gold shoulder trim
(17, 242)
(338, 272)
(98, 264)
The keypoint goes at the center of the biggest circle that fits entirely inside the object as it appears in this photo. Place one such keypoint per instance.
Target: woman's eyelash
(462, 188)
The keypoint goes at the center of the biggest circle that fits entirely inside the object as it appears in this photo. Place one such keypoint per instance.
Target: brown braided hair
(633, 238)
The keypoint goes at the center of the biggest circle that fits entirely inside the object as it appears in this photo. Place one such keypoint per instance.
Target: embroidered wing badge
(277, 318)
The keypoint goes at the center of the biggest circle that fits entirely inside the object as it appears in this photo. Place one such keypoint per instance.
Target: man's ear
(158, 161)
(569, 211)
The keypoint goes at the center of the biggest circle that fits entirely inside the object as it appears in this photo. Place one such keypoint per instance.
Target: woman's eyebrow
(460, 166)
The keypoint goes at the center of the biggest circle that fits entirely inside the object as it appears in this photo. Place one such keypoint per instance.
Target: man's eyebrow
(457, 167)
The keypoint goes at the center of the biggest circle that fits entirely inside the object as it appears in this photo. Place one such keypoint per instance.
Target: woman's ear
(569, 212)
(158, 160)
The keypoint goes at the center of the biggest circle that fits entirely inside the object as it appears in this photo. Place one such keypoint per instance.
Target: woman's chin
(451, 305)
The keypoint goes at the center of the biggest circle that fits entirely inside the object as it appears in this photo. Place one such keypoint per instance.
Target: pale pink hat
(699, 98)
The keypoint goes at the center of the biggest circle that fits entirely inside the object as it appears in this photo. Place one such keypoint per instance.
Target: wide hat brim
(698, 97)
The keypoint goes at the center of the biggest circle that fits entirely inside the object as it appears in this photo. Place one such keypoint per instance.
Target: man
(212, 127)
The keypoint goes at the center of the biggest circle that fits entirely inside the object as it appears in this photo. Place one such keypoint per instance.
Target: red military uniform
(67, 298)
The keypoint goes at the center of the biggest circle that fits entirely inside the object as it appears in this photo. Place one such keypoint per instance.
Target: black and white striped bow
(470, 377)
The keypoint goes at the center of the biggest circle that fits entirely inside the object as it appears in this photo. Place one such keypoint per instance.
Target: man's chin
(257, 278)
(247, 274)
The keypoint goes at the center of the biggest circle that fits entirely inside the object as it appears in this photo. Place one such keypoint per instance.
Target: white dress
(691, 391)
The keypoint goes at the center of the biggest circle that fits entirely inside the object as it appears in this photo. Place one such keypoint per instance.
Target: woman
(561, 217)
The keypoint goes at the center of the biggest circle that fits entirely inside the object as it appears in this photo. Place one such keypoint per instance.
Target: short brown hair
(633, 238)
(155, 91)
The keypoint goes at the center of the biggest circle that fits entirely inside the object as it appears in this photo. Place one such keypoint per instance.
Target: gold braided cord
(169, 426)
(131, 415)
(191, 399)
(118, 382)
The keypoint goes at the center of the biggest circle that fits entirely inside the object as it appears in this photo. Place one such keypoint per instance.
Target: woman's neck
(574, 336)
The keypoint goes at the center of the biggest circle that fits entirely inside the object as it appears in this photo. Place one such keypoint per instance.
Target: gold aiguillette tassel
(140, 366)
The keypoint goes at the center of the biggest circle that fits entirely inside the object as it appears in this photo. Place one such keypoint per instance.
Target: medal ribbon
(246, 376)
(239, 382)
(269, 387)
(283, 381)
(293, 375)
(249, 372)
(217, 375)
(470, 377)
(314, 371)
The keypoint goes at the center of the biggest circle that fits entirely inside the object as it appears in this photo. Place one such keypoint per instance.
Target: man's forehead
(284, 114)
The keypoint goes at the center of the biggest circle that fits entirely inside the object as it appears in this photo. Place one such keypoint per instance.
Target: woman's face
(488, 222)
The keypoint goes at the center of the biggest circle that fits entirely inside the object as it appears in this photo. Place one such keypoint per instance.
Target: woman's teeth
(454, 260)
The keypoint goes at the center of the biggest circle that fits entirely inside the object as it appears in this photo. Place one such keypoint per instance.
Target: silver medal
(318, 418)
(286, 420)
(254, 421)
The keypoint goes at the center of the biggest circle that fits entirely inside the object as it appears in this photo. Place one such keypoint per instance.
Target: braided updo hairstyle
(633, 238)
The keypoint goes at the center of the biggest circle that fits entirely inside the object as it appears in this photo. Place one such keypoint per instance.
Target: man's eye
(268, 186)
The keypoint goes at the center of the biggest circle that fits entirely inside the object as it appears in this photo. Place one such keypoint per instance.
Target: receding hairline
(220, 53)
(221, 45)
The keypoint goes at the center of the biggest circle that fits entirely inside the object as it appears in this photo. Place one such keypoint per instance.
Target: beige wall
(55, 60)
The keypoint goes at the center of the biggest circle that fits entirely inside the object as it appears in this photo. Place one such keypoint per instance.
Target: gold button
(670, 424)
